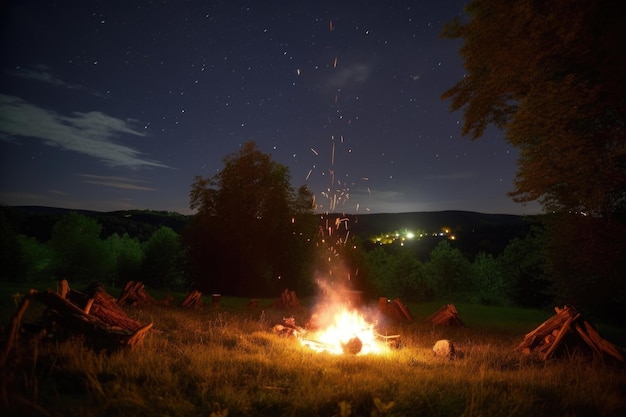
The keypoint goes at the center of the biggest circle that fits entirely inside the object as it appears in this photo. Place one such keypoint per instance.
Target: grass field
(227, 361)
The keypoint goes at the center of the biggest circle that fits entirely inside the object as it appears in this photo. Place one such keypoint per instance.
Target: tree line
(77, 251)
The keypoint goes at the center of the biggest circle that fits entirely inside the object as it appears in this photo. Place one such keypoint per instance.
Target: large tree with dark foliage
(247, 237)
(550, 74)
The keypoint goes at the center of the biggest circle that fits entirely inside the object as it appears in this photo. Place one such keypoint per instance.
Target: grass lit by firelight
(227, 361)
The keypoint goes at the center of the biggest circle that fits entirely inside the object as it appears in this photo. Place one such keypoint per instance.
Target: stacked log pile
(287, 300)
(93, 316)
(446, 316)
(394, 309)
(557, 332)
(134, 294)
(96, 302)
(193, 300)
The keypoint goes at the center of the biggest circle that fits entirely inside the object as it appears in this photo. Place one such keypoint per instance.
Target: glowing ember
(349, 332)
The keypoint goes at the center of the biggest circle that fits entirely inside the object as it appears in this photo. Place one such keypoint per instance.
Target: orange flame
(349, 332)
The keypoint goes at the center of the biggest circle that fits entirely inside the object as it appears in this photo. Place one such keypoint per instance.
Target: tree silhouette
(550, 74)
(243, 237)
(127, 255)
(163, 264)
(80, 254)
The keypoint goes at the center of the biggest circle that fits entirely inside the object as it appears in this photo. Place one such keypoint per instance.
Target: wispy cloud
(115, 182)
(41, 74)
(57, 192)
(92, 133)
(349, 76)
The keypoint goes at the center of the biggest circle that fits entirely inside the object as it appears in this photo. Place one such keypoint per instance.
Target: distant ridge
(473, 230)
(467, 221)
(381, 222)
(38, 221)
(52, 210)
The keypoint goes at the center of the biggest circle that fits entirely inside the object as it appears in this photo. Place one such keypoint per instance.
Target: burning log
(287, 300)
(289, 328)
(447, 316)
(392, 341)
(317, 345)
(193, 300)
(314, 322)
(134, 294)
(352, 346)
(394, 309)
(567, 322)
(342, 331)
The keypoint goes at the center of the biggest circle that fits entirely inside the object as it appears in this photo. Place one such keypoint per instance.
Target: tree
(550, 74)
(449, 272)
(37, 258)
(382, 268)
(245, 226)
(525, 264)
(13, 265)
(299, 262)
(488, 281)
(80, 254)
(163, 261)
(127, 256)
(399, 274)
(587, 264)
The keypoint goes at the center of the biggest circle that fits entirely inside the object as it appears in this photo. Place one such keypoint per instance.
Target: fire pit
(344, 331)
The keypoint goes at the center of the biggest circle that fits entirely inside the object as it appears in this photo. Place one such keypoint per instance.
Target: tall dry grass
(227, 361)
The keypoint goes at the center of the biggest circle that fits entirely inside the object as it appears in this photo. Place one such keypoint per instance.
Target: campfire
(348, 332)
(340, 324)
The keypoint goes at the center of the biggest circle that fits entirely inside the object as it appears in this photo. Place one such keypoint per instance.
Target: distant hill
(473, 231)
(38, 221)
(457, 221)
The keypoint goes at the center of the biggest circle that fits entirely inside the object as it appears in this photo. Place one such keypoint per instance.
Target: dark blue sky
(110, 105)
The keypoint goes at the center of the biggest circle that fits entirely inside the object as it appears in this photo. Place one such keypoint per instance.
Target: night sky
(112, 105)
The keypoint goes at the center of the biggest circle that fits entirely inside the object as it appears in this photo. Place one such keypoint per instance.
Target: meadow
(226, 361)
